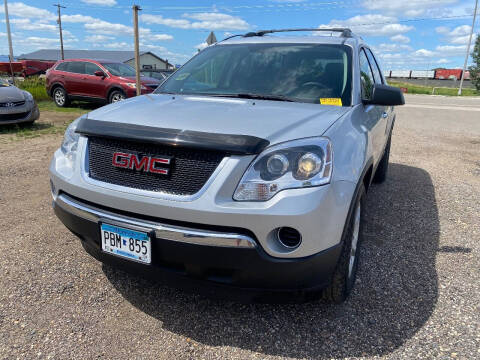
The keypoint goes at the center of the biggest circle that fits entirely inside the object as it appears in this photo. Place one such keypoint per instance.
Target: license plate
(126, 243)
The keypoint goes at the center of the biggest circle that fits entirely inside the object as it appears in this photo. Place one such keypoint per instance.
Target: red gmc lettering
(153, 169)
(147, 164)
(138, 165)
(120, 160)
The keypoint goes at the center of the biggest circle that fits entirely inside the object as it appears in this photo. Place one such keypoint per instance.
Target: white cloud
(371, 25)
(26, 24)
(26, 11)
(160, 20)
(201, 46)
(206, 21)
(400, 39)
(392, 48)
(100, 2)
(457, 36)
(118, 45)
(424, 53)
(77, 18)
(161, 37)
(98, 38)
(410, 8)
(442, 30)
(107, 28)
(451, 50)
(443, 61)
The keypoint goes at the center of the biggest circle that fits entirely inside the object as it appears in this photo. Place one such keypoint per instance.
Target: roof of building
(111, 55)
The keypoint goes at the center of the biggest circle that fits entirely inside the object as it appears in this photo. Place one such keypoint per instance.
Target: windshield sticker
(182, 76)
(331, 101)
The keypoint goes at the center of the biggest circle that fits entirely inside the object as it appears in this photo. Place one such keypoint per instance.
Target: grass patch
(419, 89)
(35, 86)
(76, 107)
(33, 130)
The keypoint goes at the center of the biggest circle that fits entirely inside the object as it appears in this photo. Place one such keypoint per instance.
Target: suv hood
(11, 94)
(143, 80)
(274, 121)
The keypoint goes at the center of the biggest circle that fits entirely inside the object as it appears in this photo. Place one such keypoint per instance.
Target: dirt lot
(417, 296)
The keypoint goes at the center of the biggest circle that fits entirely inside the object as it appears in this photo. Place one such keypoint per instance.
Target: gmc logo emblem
(146, 163)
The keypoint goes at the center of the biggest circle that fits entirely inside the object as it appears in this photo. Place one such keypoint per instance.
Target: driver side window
(366, 77)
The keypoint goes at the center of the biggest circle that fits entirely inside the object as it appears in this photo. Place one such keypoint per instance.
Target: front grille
(16, 116)
(12, 104)
(189, 171)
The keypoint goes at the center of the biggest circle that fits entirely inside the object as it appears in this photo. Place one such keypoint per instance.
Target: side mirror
(99, 73)
(386, 95)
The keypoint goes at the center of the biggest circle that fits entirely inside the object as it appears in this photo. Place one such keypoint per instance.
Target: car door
(373, 113)
(74, 78)
(94, 86)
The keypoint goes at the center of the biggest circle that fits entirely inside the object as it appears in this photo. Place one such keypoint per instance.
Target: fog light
(289, 237)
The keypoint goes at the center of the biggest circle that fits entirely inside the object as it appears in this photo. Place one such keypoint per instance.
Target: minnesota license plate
(126, 243)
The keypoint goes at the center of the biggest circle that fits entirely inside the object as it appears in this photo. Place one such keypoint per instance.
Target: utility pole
(468, 49)
(136, 8)
(59, 22)
(10, 48)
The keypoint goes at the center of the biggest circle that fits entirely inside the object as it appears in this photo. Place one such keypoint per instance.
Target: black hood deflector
(231, 144)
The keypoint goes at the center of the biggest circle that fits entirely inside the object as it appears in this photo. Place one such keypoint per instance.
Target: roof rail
(345, 32)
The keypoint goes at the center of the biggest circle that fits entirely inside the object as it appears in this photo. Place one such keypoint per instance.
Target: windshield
(119, 69)
(293, 72)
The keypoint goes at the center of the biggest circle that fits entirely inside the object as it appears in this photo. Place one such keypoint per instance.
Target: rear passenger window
(90, 68)
(76, 67)
(366, 77)
(62, 66)
(374, 66)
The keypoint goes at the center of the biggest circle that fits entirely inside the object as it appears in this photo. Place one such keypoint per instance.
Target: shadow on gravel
(395, 294)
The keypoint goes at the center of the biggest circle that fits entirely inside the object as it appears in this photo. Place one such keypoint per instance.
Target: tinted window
(374, 66)
(90, 68)
(77, 67)
(301, 72)
(62, 66)
(119, 69)
(366, 76)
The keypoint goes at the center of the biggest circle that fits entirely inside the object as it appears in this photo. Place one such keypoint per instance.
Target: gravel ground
(417, 295)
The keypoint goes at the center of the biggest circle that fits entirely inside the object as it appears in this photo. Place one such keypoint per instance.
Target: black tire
(344, 276)
(382, 169)
(116, 95)
(60, 97)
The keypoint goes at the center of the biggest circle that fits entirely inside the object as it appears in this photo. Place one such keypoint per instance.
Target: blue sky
(408, 34)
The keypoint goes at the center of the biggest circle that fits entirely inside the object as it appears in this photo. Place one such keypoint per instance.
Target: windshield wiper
(255, 96)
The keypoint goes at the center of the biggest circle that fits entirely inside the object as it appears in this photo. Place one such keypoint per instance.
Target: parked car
(246, 170)
(157, 74)
(16, 106)
(101, 81)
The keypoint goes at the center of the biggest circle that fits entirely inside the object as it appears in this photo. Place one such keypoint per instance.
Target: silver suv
(245, 173)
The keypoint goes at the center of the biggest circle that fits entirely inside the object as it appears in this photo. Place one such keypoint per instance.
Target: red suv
(103, 81)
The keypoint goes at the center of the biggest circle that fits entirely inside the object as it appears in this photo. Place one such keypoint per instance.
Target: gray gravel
(417, 295)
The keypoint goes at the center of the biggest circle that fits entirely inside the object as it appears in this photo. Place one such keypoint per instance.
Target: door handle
(384, 115)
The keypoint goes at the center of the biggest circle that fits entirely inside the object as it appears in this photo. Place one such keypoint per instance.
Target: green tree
(475, 68)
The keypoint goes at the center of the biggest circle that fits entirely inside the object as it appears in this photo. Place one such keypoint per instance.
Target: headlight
(28, 96)
(291, 165)
(70, 141)
(134, 86)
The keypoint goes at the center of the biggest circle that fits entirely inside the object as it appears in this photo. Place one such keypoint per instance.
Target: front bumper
(33, 114)
(229, 261)
(133, 92)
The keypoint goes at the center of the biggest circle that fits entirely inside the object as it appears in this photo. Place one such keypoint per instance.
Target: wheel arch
(112, 89)
(54, 86)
